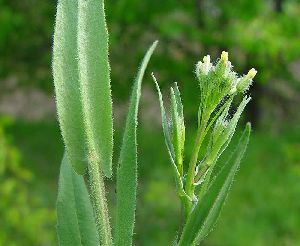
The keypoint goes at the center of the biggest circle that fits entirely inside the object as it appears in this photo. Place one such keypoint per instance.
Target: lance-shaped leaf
(165, 124)
(178, 128)
(75, 221)
(168, 141)
(230, 129)
(206, 211)
(65, 73)
(224, 130)
(95, 82)
(127, 169)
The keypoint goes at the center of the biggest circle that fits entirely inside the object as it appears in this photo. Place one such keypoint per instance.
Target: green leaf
(75, 221)
(228, 133)
(165, 125)
(181, 118)
(206, 211)
(224, 131)
(127, 169)
(178, 128)
(94, 80)
(65, 73)
(168, 141)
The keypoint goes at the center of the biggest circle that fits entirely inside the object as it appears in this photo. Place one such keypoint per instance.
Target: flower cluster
(219, 84)
(219, 81)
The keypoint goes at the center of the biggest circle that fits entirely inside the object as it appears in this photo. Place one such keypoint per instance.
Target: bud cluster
(219, 80)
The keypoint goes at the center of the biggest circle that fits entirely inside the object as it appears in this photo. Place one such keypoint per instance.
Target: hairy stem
(98, 199)
(189, 186)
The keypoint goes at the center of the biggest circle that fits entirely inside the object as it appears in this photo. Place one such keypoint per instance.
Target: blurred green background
(264, 206)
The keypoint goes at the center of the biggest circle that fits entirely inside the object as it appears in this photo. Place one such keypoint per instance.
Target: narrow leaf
(178, 100)
(168, 141)
(176, 132)
(206, 211)
(95, 82)
(228, 134)
(178, 128)
(165, 126)
(65, 73)
(127, 169)
(75, 221)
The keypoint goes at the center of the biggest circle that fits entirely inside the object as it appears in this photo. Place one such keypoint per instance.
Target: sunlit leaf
(67, 93)
(94, 78)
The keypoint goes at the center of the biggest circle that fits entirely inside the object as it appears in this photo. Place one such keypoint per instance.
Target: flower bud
(246, 81)
(204, 67)
(251, 74)
(224, 56)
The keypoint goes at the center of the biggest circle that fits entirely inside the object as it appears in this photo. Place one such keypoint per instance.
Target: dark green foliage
(187, 30)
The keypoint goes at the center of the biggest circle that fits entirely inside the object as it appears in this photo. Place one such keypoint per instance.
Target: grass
(263, 207)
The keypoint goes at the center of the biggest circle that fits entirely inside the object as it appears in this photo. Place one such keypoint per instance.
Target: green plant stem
(182, 215)
(189, 186)
(208, 165)
(98, 199)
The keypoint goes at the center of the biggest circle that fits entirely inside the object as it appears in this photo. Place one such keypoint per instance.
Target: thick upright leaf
(95, 82)
(75, 221)
(65, 73)
(127, 169)
(206, 211)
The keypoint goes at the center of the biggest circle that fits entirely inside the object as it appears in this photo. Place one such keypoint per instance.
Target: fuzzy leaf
(75, 221)
(95, 82)
(65, 73)
(127, 169)
(206, 211)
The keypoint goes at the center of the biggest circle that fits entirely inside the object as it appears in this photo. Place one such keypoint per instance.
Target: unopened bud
(251, 74)
(206, 59)
(224, 56)
(205, 66)
(246, 81)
